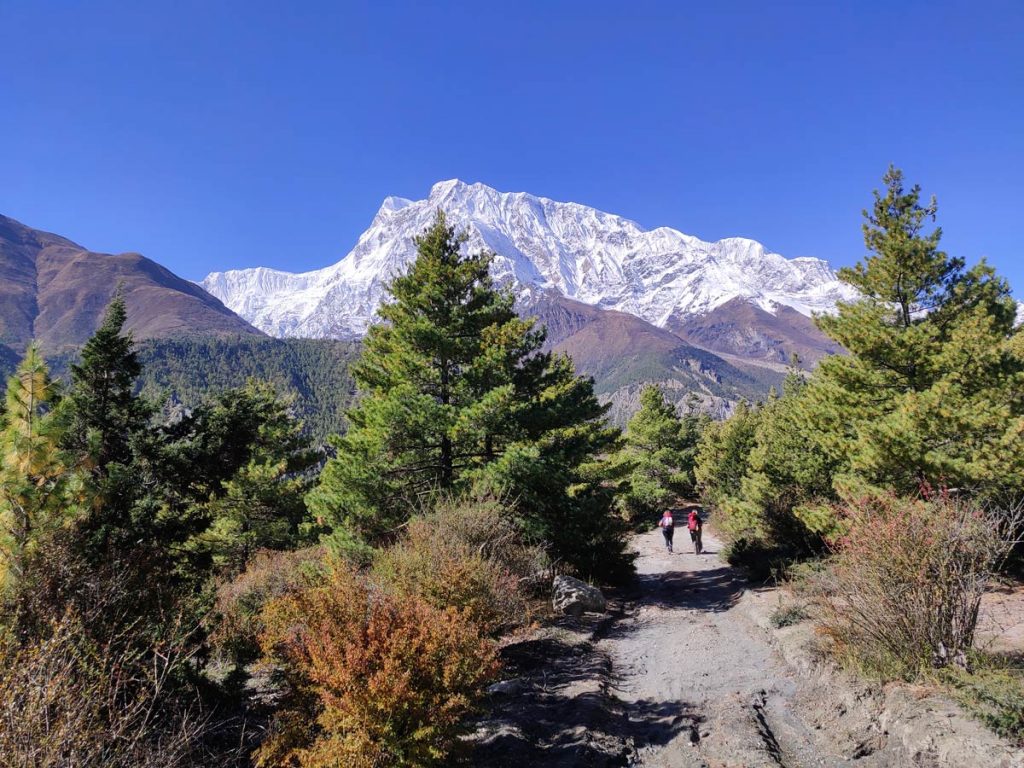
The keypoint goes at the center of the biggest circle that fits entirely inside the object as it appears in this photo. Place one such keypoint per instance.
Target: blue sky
(230, 134)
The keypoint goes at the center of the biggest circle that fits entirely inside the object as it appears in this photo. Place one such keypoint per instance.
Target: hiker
(696, 526)
(667, 528)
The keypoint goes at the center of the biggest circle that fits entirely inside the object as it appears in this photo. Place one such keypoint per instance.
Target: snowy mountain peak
(660, 275)
(393, 203)
(442, 188)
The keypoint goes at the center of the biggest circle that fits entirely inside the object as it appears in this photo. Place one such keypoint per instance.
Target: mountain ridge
(55, 291)
(660, 275)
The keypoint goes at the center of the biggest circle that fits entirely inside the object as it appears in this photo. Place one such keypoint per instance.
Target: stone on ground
(574, 597)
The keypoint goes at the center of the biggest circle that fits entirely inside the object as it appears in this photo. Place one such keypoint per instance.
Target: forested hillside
(314, 372)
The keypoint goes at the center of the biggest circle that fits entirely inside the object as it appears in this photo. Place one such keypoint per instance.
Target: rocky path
(685, 673)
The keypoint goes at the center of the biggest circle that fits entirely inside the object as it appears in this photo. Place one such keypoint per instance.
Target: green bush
(788, 615)
(759, 561)
(993, 692)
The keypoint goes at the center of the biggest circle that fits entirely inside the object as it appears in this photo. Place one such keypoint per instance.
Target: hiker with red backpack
(696, 526)
(667, 526)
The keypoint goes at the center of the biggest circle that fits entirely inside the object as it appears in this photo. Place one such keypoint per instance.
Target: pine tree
(105, 418)
(434, 389)
(222, 481)
(105, 412)
(554, 475)
(37, 487)
(456, 393)
(657, 458)
(263, 458)
(788, 475)
(929, 393)
(723, 454)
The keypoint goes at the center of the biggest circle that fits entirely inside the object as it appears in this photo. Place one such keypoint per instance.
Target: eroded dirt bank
(685, 671)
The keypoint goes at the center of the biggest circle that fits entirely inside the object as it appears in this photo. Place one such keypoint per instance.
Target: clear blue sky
(212, 135)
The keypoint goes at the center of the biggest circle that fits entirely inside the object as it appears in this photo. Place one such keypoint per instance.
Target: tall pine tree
(262, 464)
(932, 390)
(657, 458)
(105, 412)
(105, 420)
(456, 393)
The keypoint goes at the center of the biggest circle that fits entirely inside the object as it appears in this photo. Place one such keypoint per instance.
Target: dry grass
(65, 701)
(467, 556)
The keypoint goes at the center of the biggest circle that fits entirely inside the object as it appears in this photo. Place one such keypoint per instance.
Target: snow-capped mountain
(660, 275)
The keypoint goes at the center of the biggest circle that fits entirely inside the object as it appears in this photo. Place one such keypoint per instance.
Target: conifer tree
(263, 458)
(929, 393)
(657, 457)
(105, 413)
(37, 488)
(555, 477)
(224, 480)
(432, 386)
(104, 420)
(723, 454)
(788, 475)
(456, 393)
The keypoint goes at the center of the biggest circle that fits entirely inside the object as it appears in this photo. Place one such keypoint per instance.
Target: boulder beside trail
(576, 597)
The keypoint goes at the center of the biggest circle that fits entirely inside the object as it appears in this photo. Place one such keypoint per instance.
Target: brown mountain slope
(623, 352)
(55, 291)
(741, 328)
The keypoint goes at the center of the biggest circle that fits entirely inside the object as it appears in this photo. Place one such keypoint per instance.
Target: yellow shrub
(466, 556)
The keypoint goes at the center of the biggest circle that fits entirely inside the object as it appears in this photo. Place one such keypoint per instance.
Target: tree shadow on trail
(560, 713)
(714, 589)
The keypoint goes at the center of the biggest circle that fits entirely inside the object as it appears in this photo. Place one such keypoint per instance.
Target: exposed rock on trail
(574, 597)
(684, 672)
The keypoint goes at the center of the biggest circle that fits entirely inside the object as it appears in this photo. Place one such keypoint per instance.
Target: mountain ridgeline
(661, 276)
(698, 326)
(630, 305)
(54, 291)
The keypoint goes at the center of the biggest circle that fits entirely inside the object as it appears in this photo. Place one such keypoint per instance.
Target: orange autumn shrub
(374, 679)
(236, 620)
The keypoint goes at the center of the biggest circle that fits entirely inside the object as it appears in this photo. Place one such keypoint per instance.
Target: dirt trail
(685, 673)
(686, 650)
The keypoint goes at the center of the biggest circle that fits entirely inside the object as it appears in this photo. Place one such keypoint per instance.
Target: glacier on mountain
(582, 253)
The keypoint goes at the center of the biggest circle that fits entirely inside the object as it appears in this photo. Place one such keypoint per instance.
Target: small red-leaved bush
(905, 582)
